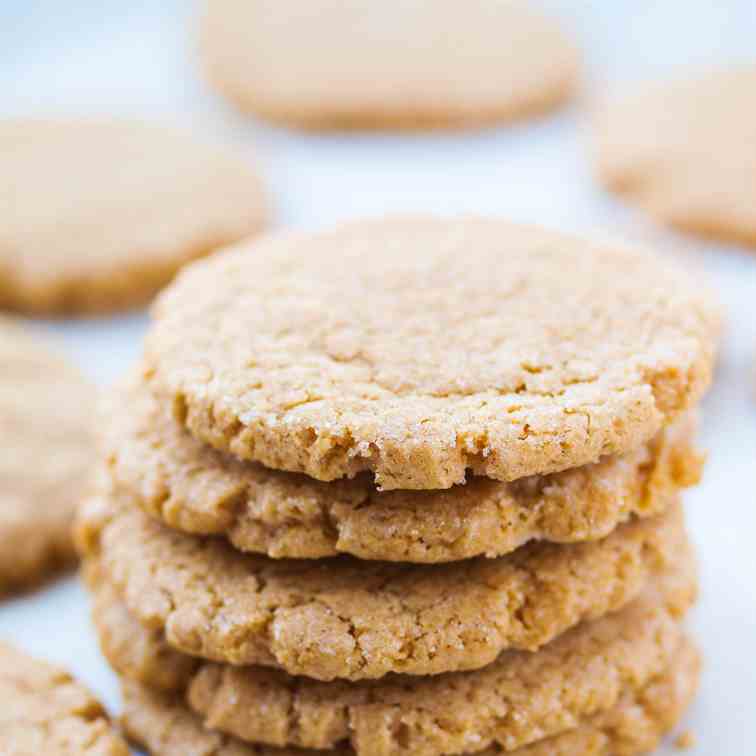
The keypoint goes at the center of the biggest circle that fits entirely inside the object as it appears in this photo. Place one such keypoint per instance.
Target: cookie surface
(98, 215)
(164, 724)
(685, 151)
(45, 711)
(357, 64)
(352, 619)
(157, 465)
(420, 348)
(47, 449)
(519, 699)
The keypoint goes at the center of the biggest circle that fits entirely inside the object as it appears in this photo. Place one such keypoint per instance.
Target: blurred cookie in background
(46, 711)
(47, 449)
(332, 64)
(98, 215)
(685, 151)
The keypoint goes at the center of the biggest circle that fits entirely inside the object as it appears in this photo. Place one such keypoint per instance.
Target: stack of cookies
(411, 486)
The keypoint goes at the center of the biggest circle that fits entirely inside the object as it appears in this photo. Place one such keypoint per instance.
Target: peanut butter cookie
(360, 64)
(351, 619)
(521, 700)
(685, 151)
(47, 450)
(421, 349)
(45, 711)
(157, 465)
(97, 215)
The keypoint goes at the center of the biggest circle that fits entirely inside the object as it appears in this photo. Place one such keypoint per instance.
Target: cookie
(351, 619)
(100, 214)
(164, 725)
(519, 699)
(420, 348)
(330, 64)
(158, 466)
(45, 711)
(47, 449)
(685, 151)
(133, 650)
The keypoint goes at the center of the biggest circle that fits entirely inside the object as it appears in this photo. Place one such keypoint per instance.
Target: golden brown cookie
(519, 699)
(133, 650)
(47, 449)
(165, 725)
(685, 151)
(419, 349)
(358, 64)
(157, 465)
(352, 619)
(97, 215)
(45, 711)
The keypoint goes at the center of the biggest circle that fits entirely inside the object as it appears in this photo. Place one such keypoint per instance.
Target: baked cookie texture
(357, 64)
(410, 486)
(520, 698)
(164, 724)
(98, 215)
(47, 451)
(419, 349)
(156, 465)
(349, 619)
(685, 151)
(133, 650)
(45, 711)
(143, 654)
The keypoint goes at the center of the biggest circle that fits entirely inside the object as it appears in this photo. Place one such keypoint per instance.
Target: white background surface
(138, 58)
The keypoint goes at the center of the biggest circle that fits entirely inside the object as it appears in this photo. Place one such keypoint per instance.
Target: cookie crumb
(685, 740)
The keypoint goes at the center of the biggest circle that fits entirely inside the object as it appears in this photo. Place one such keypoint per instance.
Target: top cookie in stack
(420, 350)
(511, 402)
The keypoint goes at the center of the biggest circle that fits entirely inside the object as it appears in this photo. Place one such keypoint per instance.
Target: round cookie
(350, 619)
(47, 450)
(685, 151)
(158, 466)
(98, 215)
(45, 711)
(519, 699)
(165, 725)
(162, 724)
(358, 64)
(420, 348)
(133, 650)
